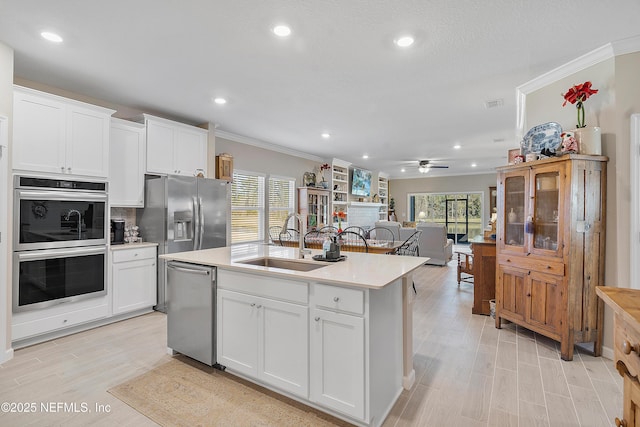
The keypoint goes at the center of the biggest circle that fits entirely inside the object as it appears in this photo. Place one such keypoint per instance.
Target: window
(247, 207)
(460, 213)
(251, 212)
(281, 199)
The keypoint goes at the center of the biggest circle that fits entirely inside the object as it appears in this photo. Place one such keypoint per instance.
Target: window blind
(247, 207)
(281, 200)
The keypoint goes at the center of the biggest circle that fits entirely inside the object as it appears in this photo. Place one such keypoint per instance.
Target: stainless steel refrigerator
(183, 213)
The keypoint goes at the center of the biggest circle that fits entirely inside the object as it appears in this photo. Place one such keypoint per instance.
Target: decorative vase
(589, 140)
(512, 216)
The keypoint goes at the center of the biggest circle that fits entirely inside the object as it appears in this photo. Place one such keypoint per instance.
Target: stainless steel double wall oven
(60, 241)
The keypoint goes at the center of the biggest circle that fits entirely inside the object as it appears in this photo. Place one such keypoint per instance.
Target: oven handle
(60, 195)
(60, 253)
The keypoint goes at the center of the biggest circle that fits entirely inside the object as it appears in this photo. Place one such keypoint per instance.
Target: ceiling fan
(425, 166)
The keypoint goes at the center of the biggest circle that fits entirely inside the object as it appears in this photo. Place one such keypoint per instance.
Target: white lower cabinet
(133, 276)
(337, 361)
(263, 338)
(337, 348)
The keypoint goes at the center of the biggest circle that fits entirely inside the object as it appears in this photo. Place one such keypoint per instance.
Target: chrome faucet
(301, 250)
(77, 212)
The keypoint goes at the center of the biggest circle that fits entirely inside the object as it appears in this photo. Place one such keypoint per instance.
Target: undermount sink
(285, 264)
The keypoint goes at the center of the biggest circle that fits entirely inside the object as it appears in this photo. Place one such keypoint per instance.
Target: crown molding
(596, 56)
(589, 59)
(628, 45)
(266, 145)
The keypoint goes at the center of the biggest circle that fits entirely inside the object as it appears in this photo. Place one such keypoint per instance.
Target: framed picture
(512, 155)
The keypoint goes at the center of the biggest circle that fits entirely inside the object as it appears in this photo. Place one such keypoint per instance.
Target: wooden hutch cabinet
(313, 203)
(550, 248)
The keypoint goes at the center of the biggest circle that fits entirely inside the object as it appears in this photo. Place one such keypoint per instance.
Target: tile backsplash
(128, 214)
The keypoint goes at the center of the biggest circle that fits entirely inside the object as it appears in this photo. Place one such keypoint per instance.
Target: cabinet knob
(61, 168)
(69, 170)
(627, 348)
(336, 299)
(620, 423)
(259, 306)
(317, 319)
(548, 267)
(253, 304)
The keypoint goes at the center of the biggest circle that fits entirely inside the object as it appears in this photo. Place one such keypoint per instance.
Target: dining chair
(316, 236)
(465, 267)
(410, 248)
(355, 241)
(361, 231)
(381, 233)
(290, 234)
(328, 229)
(274, 234)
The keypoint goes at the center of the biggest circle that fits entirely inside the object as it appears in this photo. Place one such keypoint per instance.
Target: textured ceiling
(339, 71)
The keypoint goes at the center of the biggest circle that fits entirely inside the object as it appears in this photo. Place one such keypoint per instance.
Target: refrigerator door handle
(201, 234)
(196, 226)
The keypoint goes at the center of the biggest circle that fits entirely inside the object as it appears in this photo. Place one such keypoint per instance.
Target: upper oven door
(45, 219)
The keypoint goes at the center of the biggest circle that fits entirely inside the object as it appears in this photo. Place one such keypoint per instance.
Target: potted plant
(588, 138)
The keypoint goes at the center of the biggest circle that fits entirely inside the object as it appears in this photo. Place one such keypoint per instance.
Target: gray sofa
(433, 241)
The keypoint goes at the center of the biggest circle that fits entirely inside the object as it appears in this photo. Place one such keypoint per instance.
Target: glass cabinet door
(323, 214)
(514, 206)
(546, 208)
(312, 216)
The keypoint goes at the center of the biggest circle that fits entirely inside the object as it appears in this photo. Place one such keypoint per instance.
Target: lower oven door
(47, 277)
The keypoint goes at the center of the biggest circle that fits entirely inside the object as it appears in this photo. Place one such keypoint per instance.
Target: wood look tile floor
(468, 372)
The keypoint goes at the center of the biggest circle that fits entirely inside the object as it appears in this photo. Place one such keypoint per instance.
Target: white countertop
(359, 269)
(131, 246)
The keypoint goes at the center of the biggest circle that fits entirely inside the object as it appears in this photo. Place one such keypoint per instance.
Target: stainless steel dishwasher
(191, 311)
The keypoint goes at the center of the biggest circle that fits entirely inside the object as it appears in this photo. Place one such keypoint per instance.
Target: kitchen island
(336, 336)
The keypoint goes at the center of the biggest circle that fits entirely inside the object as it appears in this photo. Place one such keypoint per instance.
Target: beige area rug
(183, 392)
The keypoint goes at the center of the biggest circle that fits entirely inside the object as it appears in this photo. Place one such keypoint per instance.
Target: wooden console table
(626, 347)
(484, 273)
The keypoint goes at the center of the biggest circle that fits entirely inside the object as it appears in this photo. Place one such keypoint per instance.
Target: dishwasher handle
(189, 270)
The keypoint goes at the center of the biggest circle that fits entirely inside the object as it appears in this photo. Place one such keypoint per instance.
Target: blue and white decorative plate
(544, 136)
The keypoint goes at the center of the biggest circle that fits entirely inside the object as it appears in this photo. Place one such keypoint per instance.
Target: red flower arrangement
(577, 95)
(341, 215)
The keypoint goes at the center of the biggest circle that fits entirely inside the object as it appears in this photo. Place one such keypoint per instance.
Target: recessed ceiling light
(473, 165)
(220, 101)
(365, 156)
(405, 41)
(457, 146)
(403, 170)
(326, 135)
(52, 37)
(281, 30)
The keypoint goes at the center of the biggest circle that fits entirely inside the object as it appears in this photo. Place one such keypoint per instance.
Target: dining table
(373, 246)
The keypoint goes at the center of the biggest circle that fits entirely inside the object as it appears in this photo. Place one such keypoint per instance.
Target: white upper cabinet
(175, 148)
(57, 135)
(126, 164)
